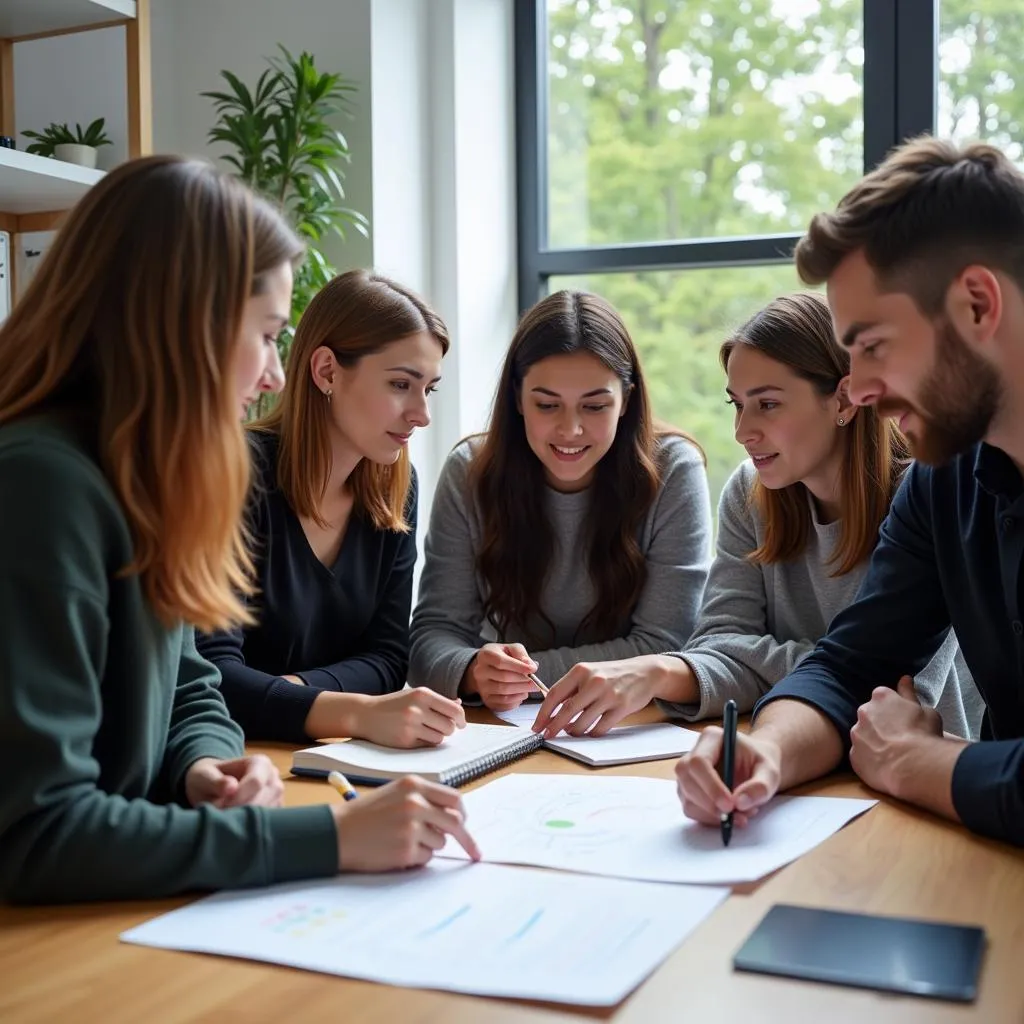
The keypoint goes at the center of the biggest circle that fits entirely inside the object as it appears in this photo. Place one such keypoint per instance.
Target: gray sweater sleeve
(445, 631)
(732, 653)
(677, 565)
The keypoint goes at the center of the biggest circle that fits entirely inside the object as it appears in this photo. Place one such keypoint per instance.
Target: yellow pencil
(342, 785)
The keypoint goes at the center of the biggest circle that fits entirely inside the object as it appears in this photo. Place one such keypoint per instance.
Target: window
(697, 120)
(671, 152)
(981, 90)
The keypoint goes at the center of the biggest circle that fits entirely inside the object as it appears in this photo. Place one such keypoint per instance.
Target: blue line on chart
(628, 938)
(530, 922)
(441, 925)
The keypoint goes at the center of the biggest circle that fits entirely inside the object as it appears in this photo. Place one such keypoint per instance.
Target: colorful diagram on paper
(303, 920)
(578, 823)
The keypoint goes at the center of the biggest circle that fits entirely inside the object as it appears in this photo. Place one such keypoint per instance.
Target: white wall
(193, 40)
(74, 79)
(444, 191)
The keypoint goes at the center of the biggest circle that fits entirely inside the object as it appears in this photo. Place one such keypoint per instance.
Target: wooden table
(58, 963)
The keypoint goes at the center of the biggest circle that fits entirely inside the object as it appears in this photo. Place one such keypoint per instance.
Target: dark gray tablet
(893, 954)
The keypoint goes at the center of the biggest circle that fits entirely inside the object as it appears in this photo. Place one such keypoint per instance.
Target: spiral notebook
(465, 755)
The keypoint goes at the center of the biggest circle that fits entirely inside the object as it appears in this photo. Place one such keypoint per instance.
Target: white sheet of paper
(626, 744)
(632, 827)
(482, 929)
(523, 716)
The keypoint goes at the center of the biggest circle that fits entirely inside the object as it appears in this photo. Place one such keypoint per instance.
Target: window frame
(900, 101)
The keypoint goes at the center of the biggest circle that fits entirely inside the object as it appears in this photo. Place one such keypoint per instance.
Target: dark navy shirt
(342, 627)
(950, 553)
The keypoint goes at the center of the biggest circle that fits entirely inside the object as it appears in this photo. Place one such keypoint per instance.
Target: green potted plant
(282, 142)
(75, 147)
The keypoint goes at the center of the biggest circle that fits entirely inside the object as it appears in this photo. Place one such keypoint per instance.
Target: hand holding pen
(728, 795)
(399, 825)
(501, 674)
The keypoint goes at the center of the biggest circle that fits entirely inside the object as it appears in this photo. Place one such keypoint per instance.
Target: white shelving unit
(21, 18)
(35, 184)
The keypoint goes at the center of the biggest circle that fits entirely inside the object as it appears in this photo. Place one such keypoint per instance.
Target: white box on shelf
(5, 275)
(31, 247)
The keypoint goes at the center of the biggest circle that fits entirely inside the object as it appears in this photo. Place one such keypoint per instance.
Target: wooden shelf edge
(121, 12)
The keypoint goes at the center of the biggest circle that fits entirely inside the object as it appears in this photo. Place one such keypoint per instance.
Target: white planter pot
(73, 153)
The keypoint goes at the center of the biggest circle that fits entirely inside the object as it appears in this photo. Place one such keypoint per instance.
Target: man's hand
(704, 795)
(236, 783)
(888, 728)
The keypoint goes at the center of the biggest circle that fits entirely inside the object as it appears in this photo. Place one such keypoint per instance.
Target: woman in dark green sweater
(124, 374)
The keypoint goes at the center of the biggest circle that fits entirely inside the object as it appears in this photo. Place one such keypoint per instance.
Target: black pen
(730, 720)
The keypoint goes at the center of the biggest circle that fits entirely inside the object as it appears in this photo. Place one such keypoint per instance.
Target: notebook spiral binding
(491, 762)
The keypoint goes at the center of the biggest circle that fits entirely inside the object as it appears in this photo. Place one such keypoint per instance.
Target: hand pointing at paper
(400, 825)
(593, 697)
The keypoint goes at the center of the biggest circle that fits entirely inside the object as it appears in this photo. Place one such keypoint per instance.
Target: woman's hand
(500, 674)
(593, 697)
(400, 825)
(241, 781)
(409, 718)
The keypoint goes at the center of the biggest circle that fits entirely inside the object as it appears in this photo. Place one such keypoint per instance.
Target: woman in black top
(333, 525)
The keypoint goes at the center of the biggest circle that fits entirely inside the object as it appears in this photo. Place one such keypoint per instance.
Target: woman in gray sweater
(570, 531)
(797, 523)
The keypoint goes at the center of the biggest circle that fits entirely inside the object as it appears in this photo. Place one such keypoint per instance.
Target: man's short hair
(929, 210)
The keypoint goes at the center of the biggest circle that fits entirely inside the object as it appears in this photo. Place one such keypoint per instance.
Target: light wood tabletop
(62, 962)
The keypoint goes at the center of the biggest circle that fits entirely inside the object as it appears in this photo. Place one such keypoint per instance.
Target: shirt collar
(996, 473)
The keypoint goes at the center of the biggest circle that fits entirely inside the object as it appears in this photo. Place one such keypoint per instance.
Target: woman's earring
(841, 421)
(329, 393)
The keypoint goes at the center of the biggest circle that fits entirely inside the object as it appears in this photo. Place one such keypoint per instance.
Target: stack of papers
(489, 930)
(626, 892)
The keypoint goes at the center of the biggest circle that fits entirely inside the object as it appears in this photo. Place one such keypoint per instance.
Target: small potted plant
(74, 147)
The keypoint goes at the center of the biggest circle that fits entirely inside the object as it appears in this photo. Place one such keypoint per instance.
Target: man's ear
(974, 304)
(845, 410)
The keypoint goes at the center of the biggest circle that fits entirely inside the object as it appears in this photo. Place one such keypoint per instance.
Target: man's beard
(957, 402)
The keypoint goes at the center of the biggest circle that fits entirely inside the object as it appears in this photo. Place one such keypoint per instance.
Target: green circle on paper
(559, 823)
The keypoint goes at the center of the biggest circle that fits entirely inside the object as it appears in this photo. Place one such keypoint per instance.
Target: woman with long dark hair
(572, 530)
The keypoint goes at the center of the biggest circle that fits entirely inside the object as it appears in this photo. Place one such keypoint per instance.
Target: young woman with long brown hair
(333, 521)
(572, 530)
(796, 525)
(124, 374)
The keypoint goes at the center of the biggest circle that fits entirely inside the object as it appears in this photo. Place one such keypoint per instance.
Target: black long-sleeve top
(343, 627)
(951, 552)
